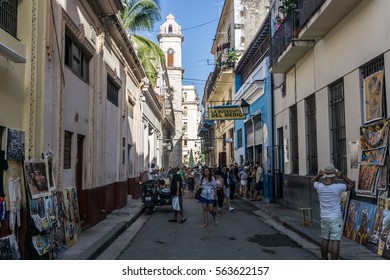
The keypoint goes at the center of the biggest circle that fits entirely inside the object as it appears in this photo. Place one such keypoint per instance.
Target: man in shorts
(329, 194)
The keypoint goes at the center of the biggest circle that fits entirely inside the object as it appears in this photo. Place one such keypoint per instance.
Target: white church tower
(171, 39)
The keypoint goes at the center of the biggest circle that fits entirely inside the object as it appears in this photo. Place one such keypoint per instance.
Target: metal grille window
(112, 91)
(370, 68)
(337, 125)
(373, 67)
(68, 149)
(311, 135)
(294, 139)
(76, 59)
(239, 138)
(9, 16)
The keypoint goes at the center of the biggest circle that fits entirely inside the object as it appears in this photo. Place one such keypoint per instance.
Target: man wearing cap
(329, 194)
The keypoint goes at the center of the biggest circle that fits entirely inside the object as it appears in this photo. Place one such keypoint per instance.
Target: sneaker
(231, 209)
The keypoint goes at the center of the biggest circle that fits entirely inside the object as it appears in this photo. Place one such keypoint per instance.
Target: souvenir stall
(11, 208)
(37, 220)
(54, 215)
(368, 212)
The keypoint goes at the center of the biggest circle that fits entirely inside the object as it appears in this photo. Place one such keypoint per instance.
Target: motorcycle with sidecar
(155, 194)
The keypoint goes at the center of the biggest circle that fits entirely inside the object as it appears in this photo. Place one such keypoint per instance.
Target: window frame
(294, 140)
(337, 125)
(68, 136)
(9, 23)
(75, 53)
(113, 97)
(311, 135)
(239, 138)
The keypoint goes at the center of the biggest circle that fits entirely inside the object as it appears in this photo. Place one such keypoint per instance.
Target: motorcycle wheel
(149, 210)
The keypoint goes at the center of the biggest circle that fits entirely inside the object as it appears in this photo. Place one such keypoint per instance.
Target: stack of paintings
(379, 239)
(55, 214)
(373, 169)
(359, 221)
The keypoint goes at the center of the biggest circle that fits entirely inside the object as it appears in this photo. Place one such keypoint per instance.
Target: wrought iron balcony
(224, 64)
(302, 28)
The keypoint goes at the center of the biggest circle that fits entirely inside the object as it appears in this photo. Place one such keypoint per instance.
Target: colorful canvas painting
(367, 178)
(42, 243)
(37, 179)
(344, 203)
(70, 215)
(374, 156)
(51, 212)
(58, 233)
(9, 248)
(383, 178)
(374, 135)
(15, 144)
(379, 239)
(373, 97)
(350, 228)
(365, 222)
(39, 213)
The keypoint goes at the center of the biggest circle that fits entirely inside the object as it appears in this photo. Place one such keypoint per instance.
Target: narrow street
(239, 235)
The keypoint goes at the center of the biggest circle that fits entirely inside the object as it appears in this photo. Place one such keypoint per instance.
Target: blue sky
(197, 59)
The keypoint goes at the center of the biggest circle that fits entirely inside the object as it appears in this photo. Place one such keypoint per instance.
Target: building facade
(321, 106)
(171, 40)
(191, 119)
(238, 24)
(74, 94)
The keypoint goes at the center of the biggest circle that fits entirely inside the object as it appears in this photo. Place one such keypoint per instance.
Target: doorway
(79, 178)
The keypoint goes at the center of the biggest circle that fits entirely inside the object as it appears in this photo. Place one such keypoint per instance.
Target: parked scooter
(155, 194)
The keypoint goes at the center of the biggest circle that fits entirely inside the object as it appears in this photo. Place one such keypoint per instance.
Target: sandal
(182, 221)
(172, 221)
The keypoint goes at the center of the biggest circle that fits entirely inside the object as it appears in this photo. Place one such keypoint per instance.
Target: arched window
(170, 29)
(170, 58)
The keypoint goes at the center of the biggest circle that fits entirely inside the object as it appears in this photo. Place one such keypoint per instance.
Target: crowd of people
(214, 187)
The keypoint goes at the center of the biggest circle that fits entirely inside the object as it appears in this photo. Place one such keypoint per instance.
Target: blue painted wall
(264, 104)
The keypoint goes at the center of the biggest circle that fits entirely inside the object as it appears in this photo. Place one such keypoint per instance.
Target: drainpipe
(272, 199)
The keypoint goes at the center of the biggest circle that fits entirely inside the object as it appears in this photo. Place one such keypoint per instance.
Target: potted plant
(229, 60)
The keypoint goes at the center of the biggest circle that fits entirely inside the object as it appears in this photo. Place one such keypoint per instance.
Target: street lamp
(244, 107)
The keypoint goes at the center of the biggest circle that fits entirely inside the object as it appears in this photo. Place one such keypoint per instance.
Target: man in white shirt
(329, 194)
(151, 171)
(259, 183)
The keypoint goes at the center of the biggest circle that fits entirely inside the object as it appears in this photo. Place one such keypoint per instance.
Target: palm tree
(140, 15)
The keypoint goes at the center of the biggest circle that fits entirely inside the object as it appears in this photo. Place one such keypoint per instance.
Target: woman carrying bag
(177, 198)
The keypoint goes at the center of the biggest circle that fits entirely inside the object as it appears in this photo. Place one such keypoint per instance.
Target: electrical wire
(193, 27)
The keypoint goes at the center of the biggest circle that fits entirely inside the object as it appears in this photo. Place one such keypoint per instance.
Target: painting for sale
(373, 97)
(374, 135)
(351, 223)
(15, 144)
(365, 222)
(37, 179)
(374, 156)
(367, 178)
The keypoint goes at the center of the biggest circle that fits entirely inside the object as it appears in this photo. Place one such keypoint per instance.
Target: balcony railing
(9, 16)
(283, 37)
(307, 8)
(223, 63)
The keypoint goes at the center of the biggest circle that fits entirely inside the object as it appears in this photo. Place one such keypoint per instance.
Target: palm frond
(140, 14)
(148, 52)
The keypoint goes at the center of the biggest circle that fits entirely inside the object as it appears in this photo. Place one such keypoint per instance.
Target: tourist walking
(208, 196)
